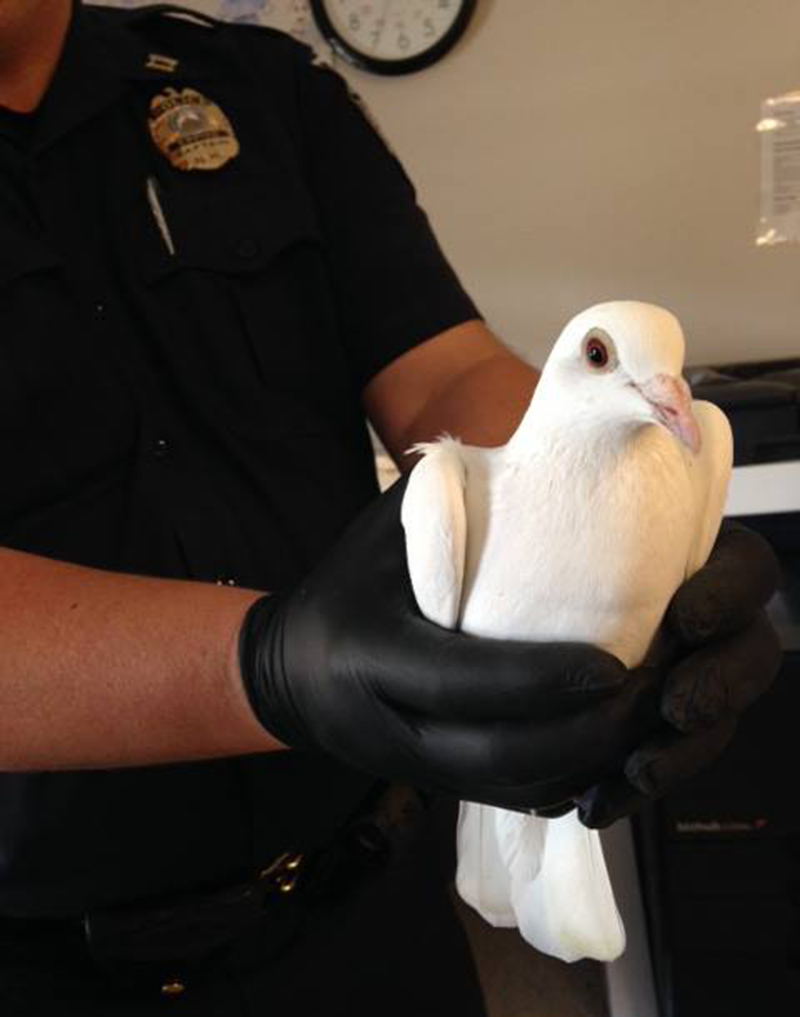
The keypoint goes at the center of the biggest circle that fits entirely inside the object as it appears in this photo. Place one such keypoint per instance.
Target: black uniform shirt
(182, 399)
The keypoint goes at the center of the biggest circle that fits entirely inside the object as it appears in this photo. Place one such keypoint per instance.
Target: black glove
(727, 655)
(346, 664)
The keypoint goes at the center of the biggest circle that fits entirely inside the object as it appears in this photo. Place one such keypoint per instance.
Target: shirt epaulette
(176, 13)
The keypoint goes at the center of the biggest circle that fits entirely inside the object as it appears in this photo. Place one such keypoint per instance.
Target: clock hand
(378, 36)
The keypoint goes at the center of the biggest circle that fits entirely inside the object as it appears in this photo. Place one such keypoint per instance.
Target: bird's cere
(671, 399)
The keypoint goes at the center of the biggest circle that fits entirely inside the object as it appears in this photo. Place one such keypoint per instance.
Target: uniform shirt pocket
(64, 416)
(239, 273)
(22, 254)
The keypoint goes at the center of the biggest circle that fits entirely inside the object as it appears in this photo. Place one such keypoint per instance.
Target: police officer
(211, 269)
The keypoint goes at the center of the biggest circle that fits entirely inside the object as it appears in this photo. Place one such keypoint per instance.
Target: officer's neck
(32, 34)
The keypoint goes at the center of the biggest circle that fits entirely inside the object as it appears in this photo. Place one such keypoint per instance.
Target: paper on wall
(779, 132)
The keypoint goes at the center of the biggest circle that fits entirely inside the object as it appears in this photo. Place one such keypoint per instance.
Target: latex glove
(728, 655)
(346, 664)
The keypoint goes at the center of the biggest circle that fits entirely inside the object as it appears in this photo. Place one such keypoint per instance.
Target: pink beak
(671, 400)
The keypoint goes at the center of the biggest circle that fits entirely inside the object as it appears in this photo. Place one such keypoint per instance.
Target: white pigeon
(607, 497)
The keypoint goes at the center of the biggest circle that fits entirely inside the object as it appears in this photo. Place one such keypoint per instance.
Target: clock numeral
(387, 36)
(377, 29)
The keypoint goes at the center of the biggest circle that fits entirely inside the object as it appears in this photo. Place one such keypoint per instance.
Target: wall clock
(392, 36)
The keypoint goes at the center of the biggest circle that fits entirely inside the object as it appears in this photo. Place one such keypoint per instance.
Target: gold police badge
(191, 130)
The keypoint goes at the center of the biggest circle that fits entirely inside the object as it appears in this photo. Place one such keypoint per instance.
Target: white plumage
(581, 527)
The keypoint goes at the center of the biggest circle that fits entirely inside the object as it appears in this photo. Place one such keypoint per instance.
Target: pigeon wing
(482, 878)
(435, 522)
(710, 472)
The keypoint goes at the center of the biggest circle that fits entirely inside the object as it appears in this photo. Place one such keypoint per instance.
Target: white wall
(571, 151)
(577, 150)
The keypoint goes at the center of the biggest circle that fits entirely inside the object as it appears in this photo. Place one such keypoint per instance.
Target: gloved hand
(728, 654)
(346, 664)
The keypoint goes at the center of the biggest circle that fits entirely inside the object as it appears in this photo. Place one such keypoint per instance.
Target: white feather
(433, 510)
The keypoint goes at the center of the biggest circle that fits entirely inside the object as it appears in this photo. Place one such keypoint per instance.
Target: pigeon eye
(597, 352)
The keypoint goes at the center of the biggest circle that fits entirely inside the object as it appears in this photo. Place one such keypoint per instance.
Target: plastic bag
(779, 132)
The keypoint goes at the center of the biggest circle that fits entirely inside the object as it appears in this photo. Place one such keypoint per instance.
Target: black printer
(719, 860)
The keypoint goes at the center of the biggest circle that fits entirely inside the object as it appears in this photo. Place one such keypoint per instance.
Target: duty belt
(162, 945)
(170, 943)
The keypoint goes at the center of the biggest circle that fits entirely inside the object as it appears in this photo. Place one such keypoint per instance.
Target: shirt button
(160, 448)
(249, 247)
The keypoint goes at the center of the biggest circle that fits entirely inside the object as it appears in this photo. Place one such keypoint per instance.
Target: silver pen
(158, 213)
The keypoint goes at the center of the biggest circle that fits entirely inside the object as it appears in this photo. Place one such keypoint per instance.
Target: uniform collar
(104, 51)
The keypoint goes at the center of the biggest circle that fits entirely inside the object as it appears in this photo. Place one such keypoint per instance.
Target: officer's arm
(463, 381)
(103, 669)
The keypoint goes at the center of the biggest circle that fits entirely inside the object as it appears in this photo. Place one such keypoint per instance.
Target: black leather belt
(175, 940)
(164, 944)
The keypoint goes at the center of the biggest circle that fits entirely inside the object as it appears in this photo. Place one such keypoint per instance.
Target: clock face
(392, 36)
(288, 15)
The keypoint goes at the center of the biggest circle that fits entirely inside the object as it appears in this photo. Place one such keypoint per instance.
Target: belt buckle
(282, 873)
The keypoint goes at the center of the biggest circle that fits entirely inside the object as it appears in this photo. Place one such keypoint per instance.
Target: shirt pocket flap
(23, 254)
(231, 230)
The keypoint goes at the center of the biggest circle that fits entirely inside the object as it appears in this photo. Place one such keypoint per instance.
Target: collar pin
(159, 62)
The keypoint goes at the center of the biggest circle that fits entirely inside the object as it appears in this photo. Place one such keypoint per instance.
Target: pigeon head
(623, 360)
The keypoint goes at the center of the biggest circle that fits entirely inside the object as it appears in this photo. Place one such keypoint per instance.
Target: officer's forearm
(463, 381)
(101, 669)
(482, 405)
